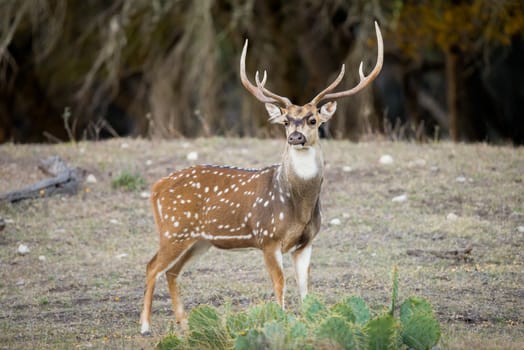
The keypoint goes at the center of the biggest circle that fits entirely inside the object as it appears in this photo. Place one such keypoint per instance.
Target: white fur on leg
(278, 255)
(144, 330)
(302, 259)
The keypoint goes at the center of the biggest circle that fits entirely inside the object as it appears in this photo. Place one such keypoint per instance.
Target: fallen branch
(65, 180)
(455, 254)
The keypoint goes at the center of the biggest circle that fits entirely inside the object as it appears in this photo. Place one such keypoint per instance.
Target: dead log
(65, 180)
(455, 254)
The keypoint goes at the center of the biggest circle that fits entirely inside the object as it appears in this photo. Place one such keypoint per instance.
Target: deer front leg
(273, 258)
(301, 261)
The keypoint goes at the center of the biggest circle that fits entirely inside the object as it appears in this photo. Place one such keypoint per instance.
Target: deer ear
(274, 113)
(327, 110)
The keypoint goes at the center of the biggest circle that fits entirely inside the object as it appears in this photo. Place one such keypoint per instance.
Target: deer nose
(296, 138)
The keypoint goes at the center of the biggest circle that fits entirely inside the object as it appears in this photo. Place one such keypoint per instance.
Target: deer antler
(364, 80)
(259, 91)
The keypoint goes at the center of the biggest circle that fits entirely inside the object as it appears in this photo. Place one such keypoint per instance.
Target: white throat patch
(304, 162)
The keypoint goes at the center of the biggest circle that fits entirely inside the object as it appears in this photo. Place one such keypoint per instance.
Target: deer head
(302, 122)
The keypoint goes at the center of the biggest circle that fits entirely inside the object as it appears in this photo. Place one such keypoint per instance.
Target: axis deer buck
(275, 209)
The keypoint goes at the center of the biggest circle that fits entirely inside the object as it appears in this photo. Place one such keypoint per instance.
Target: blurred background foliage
(169, 68)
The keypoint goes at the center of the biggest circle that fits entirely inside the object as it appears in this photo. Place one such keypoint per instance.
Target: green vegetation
(129, 181)
(348, 324)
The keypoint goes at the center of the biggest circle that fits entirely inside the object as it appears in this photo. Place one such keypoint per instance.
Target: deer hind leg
(164, 259)
(273, 259)
(172, 274)
(301, 261)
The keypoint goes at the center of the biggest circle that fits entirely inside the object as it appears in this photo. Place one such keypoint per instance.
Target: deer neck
(301, 176)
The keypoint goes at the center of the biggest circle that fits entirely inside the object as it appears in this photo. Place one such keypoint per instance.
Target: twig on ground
(455, 254)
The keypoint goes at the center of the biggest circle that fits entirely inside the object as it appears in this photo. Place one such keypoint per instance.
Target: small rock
(400, 198)
(23, 249)
(149, 162)
(335, 222)
(386, 159)
(347, 169)
(91, 179)
(520, 229)
(460, 179)
(434, 168)
(452, 216)
(192, 155)
(124, 145)
(41, 257)
(120, 256)
(114, 221)
(145, 194)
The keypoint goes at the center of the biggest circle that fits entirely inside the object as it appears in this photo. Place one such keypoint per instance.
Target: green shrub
(347, 324)
(129, 182)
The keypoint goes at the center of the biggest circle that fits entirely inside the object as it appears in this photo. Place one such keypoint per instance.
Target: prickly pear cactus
(170, 342)
(207, 329)
(346, 325)
(383, 332)
(336, 332)
(251, 340)
(313, 309)
(420, 329)
(358, 308)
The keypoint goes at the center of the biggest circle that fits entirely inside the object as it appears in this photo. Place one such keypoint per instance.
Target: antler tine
(284, 100)
(261, 84)
(331, 86)
(259, 91)
(364, 80)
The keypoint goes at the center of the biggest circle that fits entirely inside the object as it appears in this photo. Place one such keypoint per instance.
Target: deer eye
(286, 122)
(312, 121)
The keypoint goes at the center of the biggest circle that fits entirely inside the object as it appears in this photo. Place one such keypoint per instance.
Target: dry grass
(87, 293)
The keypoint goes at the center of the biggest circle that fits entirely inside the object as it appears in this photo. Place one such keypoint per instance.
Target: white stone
(386, 159)
(124, 145)
(520, 229)
(335, 222)
(192, 155)
(23, 249)
(401, 198)
(91, 179)
(114, 221)
(149, 162)
(452, 216)
(347, 169)
(145, 194)
(120, 256)
(460, 179)
(41, 257)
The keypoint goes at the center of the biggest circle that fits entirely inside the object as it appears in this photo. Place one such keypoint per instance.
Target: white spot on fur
(159, 207)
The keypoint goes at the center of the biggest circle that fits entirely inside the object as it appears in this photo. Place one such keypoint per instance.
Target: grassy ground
(81, 284)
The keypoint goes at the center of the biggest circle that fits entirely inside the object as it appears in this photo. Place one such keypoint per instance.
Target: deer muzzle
(296, 138)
